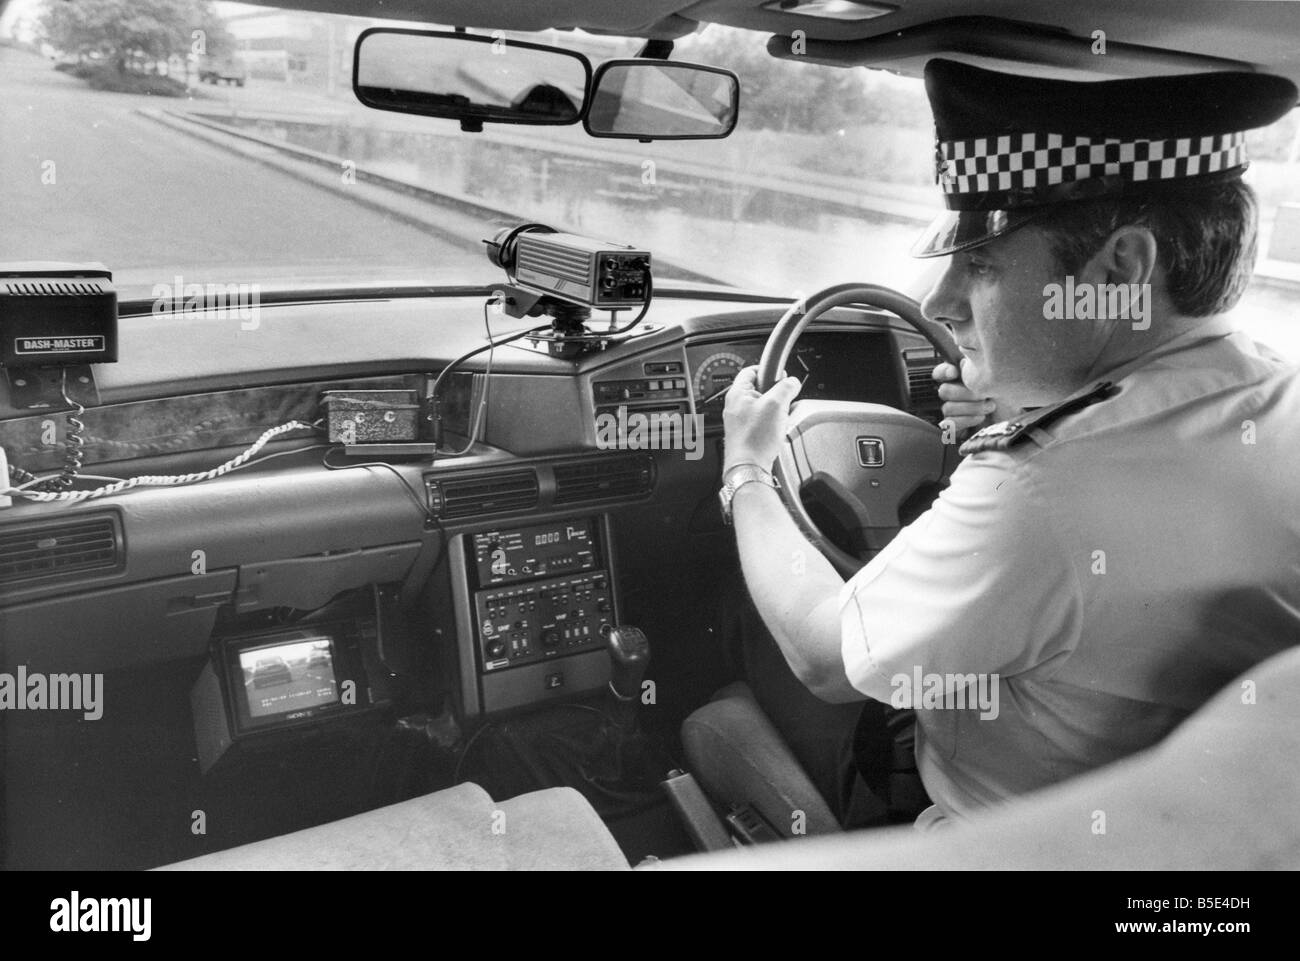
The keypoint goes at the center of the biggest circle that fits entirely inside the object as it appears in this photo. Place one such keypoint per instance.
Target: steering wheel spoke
(862, 461)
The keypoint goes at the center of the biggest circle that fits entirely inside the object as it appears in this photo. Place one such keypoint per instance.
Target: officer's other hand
(961, 407)
(755, 422)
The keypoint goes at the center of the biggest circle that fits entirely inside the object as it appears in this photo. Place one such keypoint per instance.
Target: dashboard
(294, 532)
(857, 366)
(469, 585)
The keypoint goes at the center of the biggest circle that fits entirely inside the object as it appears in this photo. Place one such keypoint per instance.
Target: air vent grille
(492, 494)
(603, 478)
(546, 258)
(50, 550)
(50, 288)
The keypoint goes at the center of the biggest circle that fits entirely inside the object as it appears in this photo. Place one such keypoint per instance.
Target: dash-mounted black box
(57, 314)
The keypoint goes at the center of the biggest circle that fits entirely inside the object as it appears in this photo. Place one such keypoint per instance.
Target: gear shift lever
(629, 656)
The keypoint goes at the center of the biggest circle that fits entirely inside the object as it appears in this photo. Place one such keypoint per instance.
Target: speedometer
(715, 375)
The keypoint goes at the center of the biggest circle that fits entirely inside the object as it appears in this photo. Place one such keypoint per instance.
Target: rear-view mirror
(662, 100)
(471, 78)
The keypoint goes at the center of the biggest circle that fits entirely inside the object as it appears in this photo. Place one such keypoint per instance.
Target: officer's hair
(1205, 239)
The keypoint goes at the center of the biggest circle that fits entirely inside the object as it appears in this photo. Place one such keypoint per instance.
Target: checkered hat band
(1033, 161)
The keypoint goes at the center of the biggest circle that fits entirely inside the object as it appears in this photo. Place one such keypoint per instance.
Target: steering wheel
(861, 461)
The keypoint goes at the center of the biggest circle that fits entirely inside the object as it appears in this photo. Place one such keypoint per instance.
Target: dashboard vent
(494, 494)
(602, 478)
(922, 391)
(50, 550)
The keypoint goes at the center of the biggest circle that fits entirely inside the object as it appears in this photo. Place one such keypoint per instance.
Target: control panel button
(554, 617)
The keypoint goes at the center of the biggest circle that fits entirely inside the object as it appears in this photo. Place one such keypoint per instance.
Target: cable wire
(420, 505)
(483, 400)
(604, 335)
(24, 477)
(73, 442)
(101, 477)
(74, 453)
(153, 480)
(446, 371)
(285, 453)
(37, 481)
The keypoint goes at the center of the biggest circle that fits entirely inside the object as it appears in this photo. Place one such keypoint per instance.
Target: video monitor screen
(289, 676)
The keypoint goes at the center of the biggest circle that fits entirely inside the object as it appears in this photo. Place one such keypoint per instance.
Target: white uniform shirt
(1114, 570)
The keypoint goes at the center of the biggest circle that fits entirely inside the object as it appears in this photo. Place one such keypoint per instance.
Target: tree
(120, 31)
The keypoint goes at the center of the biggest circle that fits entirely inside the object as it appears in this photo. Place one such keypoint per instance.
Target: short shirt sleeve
(982, 583)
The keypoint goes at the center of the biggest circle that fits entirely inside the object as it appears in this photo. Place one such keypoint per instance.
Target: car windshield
(221, 143)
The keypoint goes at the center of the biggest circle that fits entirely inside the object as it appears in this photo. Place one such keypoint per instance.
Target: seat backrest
(1233, 765)
(739, 758)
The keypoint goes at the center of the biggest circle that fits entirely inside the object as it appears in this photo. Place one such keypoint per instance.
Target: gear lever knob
(629, 656)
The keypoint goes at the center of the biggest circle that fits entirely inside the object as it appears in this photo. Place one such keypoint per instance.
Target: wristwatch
(736, 478)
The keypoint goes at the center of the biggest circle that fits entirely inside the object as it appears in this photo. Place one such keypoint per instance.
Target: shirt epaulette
(1010, 432)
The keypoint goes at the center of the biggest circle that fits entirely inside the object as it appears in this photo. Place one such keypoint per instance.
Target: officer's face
(992, 300)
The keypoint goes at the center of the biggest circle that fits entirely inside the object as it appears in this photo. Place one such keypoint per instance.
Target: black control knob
(551, 638)
(496, 649)
(629, 656)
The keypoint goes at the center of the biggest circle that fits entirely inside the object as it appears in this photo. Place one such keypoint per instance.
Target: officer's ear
(1127, 257)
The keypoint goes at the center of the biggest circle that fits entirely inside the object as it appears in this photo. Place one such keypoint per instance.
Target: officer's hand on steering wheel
(755, 422)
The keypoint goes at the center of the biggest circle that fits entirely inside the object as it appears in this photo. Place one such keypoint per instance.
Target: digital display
(543, 551)
(287, 677)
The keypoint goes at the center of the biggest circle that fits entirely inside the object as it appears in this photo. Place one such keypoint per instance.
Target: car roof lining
(652, 19)
(1142, 38)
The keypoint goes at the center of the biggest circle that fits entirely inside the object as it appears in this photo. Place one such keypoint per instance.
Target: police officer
(1127, 540)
